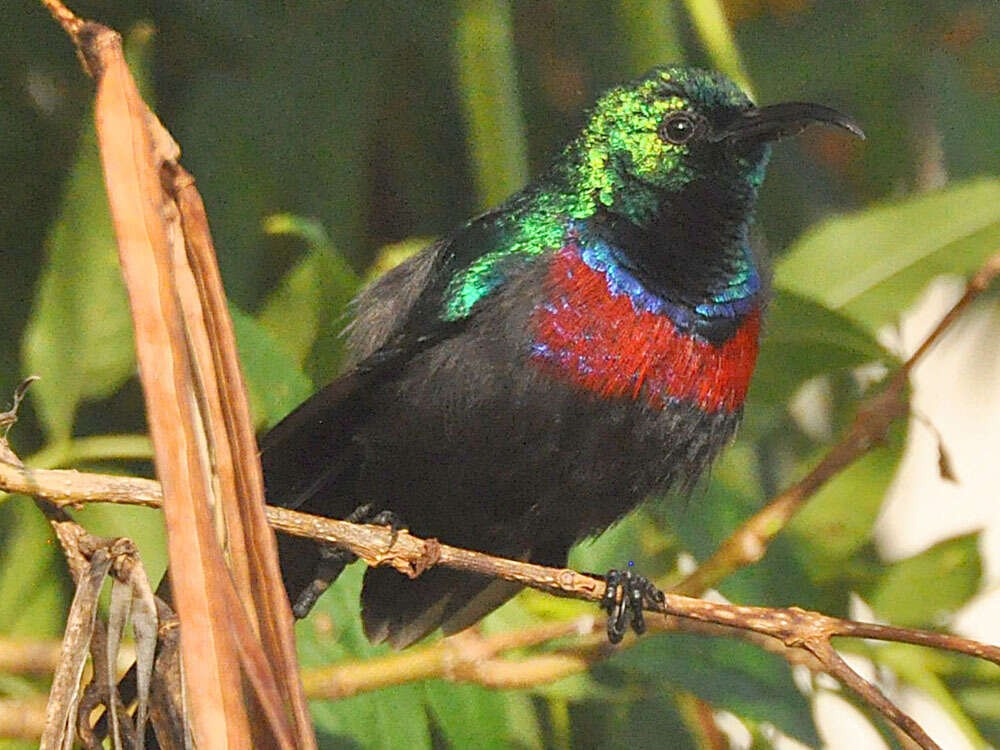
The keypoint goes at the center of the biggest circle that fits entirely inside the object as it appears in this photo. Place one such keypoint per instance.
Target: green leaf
(523, 726)
(643, 722)
(709, 19)
(484, 52)
(32, 600)
(652, 31)
(926, 589)
(838, 520)
(385, 720)
(731, 675)
(388, 718)
(614, 548)
(79, 337)
(804, 339)
(872, 264)
(468, 715)
(982, 701)
(307, 312)
(144, 526)
(275, 383)
(704, 522)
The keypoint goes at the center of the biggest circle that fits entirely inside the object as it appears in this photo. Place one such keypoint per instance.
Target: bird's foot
(625, 595)
(333, 558)
(387, 518)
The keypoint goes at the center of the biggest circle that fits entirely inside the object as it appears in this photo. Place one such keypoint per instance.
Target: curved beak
(777, 121)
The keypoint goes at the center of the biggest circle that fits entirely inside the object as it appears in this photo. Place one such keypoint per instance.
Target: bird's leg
(625, 595)
(333, 558)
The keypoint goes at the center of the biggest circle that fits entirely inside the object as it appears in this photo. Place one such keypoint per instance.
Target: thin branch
(26, 656)
(749, 542)
(465, 657)
(22, 719)
(867, 691)
(795, 628)
(70, 22)
(412, 555)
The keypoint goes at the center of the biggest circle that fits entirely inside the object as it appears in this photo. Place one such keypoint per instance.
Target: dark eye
(677, 128)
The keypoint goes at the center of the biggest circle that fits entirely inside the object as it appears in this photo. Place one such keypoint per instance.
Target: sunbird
(530, 378)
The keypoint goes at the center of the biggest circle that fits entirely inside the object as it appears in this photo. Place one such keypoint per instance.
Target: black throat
(692, 245)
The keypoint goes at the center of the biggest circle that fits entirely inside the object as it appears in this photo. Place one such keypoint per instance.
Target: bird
(531, 377)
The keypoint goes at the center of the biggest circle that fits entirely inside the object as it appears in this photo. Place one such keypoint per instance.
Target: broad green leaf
(648, 720)
(703, 521)
(32, 600)
(728, 674)
(615, 548)
(79, 337)
(388, 718)
(385, 720)
(523, 725)
(981, 700)
(275, 383)
(710, 515)
(838, 520)
(17, 745)
(468, 715)
(307, 312)
(803, 339)
(144, 526)
(926, 589)
(872, 264)
(390, 256)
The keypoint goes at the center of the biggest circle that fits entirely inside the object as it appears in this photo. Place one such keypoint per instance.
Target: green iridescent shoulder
(491, 249)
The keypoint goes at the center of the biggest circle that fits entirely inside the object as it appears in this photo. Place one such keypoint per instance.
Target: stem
(487, 70)
(709, 19)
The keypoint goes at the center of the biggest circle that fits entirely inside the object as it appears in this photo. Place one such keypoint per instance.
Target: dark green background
(374, 123)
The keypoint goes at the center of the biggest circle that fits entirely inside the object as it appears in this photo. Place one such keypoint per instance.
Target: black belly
(483, 451)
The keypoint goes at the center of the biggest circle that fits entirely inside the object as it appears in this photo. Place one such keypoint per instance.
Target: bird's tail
(400, 611)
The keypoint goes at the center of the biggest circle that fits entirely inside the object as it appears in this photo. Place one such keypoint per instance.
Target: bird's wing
(425, 300)
(311, 459)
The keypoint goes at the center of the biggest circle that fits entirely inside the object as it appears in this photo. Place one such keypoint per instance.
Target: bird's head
(675, 127)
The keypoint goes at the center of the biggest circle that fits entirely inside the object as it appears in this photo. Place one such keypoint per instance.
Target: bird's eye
(678, 128)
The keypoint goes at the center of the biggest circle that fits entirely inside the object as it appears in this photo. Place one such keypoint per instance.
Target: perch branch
(795, 628)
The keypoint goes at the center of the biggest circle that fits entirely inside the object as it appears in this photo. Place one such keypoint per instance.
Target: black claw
(332, 561)
(308, 598)
(333, 558)
(390, 519)
(360, 514)
(625, 595)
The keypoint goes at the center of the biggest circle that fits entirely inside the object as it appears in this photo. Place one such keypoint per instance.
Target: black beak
(777, 121)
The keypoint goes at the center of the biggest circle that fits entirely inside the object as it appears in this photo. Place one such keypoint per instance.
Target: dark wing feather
(310, 459)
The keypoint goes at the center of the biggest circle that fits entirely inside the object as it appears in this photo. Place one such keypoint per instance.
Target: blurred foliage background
(331, 139)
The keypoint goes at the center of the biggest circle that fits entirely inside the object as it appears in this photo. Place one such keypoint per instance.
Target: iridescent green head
(673, 127)
(680, 152)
